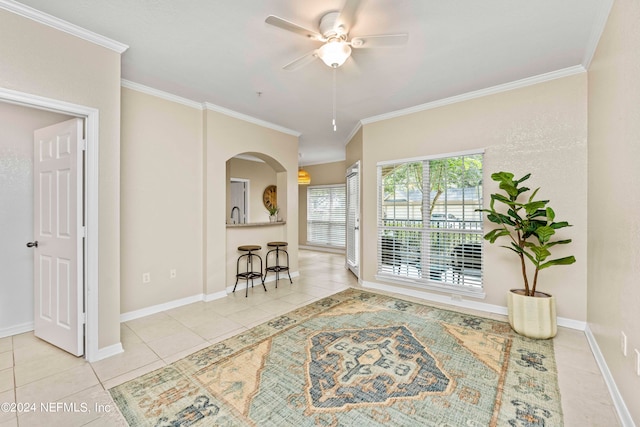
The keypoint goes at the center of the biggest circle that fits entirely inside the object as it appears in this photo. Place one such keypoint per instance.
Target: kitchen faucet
(232, 211)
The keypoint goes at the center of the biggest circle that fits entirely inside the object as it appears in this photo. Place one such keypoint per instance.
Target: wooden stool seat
(249, 247)
(276, 244)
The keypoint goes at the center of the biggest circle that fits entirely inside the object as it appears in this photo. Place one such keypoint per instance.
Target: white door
(353, 219)
(58, 235)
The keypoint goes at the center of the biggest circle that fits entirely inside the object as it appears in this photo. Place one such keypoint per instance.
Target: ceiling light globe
(334, 53)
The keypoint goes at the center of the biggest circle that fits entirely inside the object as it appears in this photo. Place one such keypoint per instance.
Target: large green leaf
(560, 261)
(509, 188)
(544, 233)
(533, 207)
(550, 214)
(501, 198)
(502, 176)
(524, 178)
(494, 234)
(522, 190)
(561, 224)
(499, 218)
(541, 252)
(558, 242)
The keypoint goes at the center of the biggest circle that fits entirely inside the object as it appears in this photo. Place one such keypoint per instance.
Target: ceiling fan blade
(391, 40)
(347, 17)
(301, 62)
(290, 26)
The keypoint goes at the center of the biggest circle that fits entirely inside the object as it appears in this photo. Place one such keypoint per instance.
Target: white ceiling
(222, 52)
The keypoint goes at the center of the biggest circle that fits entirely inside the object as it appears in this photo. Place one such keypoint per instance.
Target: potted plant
(530, 226)
(273, 213)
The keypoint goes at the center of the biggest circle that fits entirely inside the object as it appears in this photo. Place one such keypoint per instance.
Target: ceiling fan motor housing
(328, 26)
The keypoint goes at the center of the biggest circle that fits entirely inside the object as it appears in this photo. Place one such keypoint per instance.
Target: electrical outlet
(172, 273)
(146, 277)
(637, 361)
(623, 343)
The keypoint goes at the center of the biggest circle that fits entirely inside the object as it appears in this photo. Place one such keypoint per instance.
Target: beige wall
(174, 202)
(40, 60)
(161, 200)
(614, 200)
(226, 137)
(260, 175)
(540, 129)
(323, 174)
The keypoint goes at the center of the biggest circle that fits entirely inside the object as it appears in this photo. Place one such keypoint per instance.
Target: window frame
(427, 233)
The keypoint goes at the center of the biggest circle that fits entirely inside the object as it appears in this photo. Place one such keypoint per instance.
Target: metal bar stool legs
(250, 273)
(278, 267)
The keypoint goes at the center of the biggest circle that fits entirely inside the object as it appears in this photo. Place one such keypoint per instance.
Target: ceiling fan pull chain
(334, 99)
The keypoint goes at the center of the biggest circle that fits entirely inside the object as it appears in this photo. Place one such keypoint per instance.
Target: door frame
(247, 192)
(351, 170)
(91, 120)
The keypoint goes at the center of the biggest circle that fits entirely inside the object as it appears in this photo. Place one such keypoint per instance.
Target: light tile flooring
(35, 372)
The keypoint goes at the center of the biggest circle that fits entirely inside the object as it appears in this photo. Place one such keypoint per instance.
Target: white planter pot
(533, 317)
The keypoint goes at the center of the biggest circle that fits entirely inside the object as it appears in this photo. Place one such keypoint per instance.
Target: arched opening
(254, 182)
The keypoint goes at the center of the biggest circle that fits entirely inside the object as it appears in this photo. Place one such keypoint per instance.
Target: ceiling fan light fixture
(334, 52)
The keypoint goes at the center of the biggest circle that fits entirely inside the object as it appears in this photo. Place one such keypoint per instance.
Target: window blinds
(326, 215)
(428, 227)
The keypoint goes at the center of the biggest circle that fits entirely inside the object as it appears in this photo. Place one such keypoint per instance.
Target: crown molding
(59, 24)
(246, 118)
(596, 32)
(161, 94)
(541, 78)
(204, 106)
(353, 132)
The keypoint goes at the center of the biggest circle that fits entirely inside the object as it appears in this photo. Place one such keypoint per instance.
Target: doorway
(90, 207)
(353, 218)
(239, 201)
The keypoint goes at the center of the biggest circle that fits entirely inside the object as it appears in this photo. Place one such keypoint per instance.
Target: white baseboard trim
(456, 300)
(125, 317)
(214, 296)
(16, 329)
(322, 249)
(143, 312)
(459, 301)
(109, 351)
(618, 401)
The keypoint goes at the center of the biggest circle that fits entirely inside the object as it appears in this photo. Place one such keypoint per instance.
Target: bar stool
(250, 273)
(277, 268)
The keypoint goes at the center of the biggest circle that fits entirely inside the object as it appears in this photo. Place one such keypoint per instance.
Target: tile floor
(75, 391)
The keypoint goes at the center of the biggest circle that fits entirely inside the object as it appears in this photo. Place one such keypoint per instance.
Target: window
(434, 240)
(326, 215)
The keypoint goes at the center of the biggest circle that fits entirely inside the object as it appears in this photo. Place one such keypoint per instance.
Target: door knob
(32, 244)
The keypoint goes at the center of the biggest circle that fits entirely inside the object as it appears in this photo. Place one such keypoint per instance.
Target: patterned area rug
(356, 359)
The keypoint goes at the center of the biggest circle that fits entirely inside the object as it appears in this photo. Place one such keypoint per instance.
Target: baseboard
(125, 317)
(214, 296)
(16, 329)
(458, 301)
(109, 351)
(322, 249)
(618, 401)
(143, 312)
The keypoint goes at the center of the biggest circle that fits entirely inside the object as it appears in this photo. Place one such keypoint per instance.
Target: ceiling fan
(333, 32)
